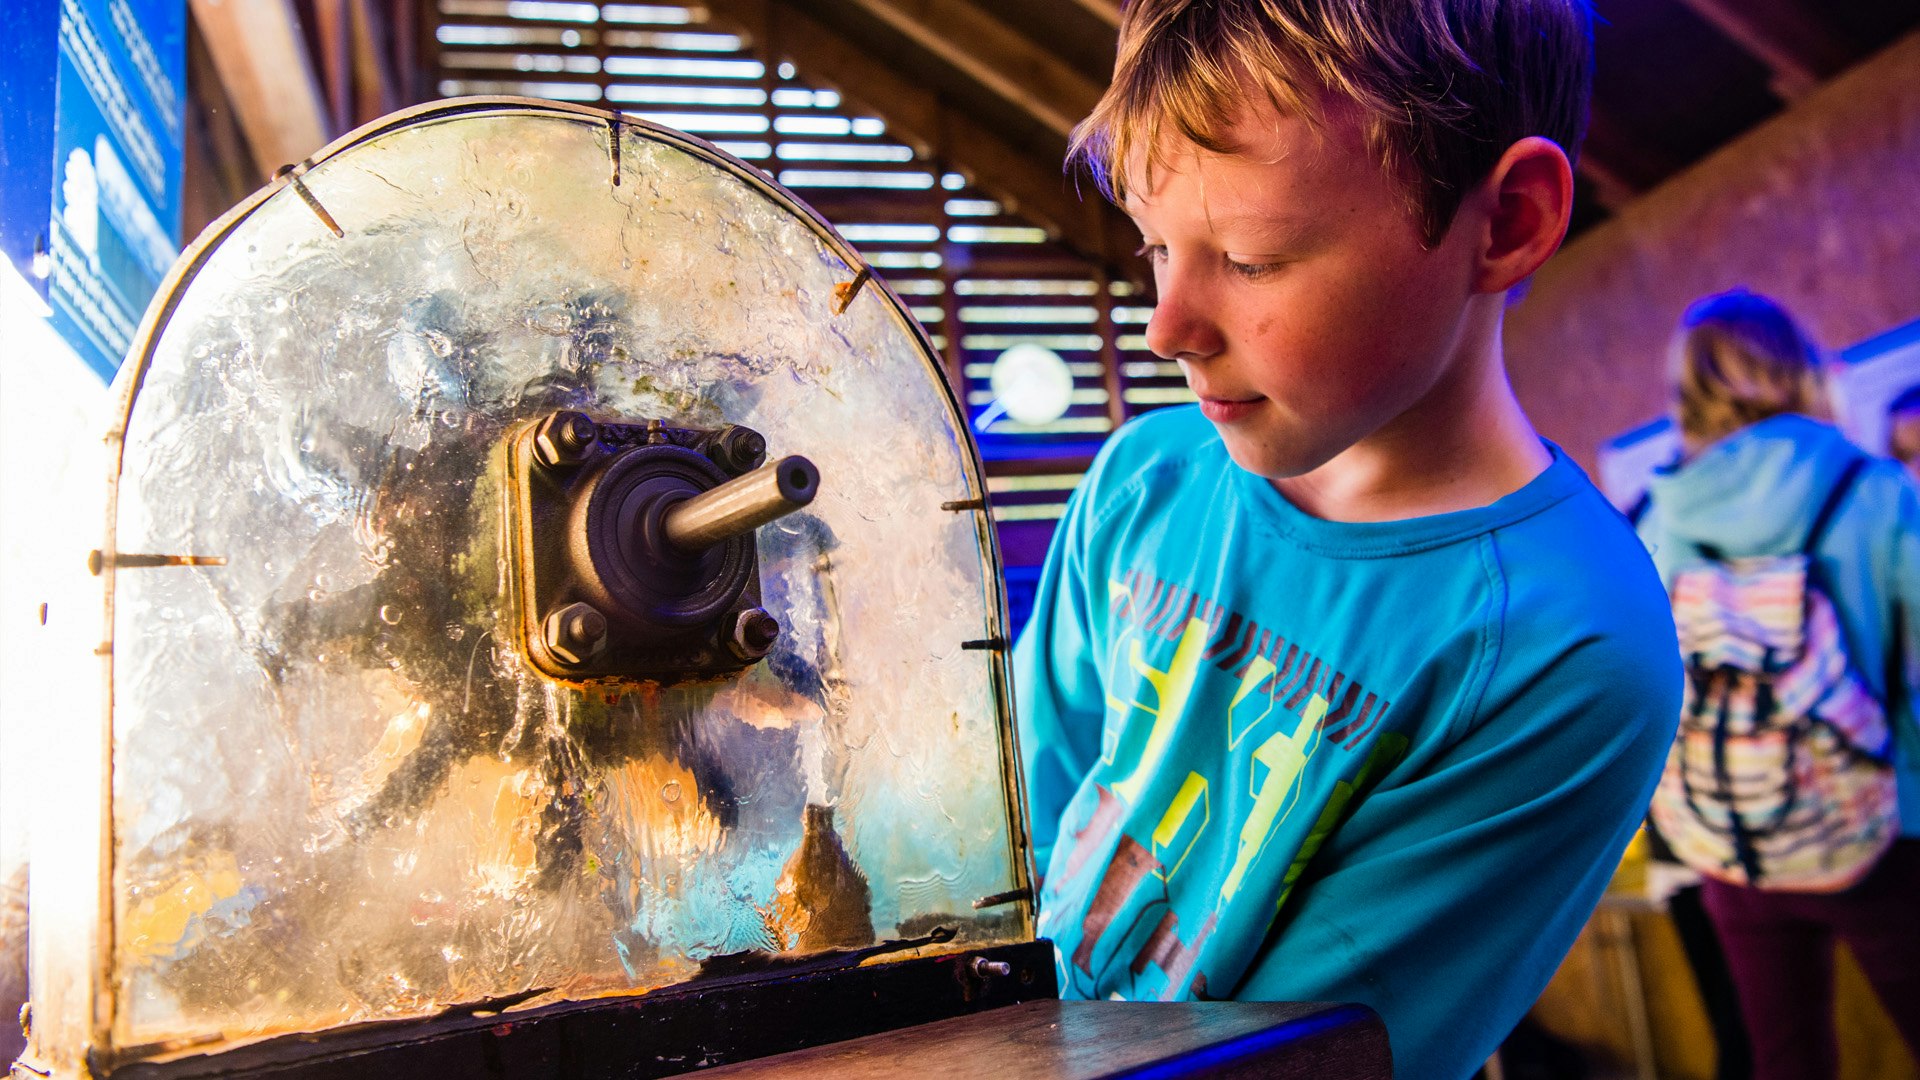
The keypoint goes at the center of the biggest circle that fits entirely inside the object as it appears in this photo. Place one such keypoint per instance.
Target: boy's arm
(1057, 691)
(1451, 895)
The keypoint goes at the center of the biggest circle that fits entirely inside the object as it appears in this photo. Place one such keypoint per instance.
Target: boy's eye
(1253, 271)
(1153, 253)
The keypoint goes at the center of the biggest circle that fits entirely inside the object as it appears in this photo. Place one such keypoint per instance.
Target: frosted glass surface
(339, 792)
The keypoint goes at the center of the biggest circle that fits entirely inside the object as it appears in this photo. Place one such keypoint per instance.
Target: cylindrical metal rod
(744, 503)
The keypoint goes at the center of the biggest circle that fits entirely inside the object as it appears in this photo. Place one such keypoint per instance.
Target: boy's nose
(1182, 326)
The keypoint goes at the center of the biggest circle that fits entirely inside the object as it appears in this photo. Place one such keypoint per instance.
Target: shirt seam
(1492, 639)
(1391, 549)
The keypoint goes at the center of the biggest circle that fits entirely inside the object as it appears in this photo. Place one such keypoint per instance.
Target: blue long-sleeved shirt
(1270, 756)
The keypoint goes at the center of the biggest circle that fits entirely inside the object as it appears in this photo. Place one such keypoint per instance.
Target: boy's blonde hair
(1739, 358)
(1443, 87)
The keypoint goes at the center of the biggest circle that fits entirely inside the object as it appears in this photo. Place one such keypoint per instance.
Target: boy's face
(1294, 289)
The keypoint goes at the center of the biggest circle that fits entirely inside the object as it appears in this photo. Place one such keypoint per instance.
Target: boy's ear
(1527, 198)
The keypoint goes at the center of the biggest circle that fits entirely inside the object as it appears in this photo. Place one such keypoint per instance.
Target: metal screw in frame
(575, 633)
(291, 175)
(564, 439)
(753, 634)
(984, 967)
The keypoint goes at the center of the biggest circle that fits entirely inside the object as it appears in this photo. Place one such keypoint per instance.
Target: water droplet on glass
(671, 791)
(316, 594)
(390, 614)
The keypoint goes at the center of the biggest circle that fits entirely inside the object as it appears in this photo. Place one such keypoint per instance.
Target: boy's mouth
(1222, 410)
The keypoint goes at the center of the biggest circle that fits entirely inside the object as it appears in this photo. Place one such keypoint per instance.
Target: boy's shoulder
(1579, 574)
(1148, 446)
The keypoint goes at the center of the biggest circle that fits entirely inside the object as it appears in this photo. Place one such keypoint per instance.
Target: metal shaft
(742, 504)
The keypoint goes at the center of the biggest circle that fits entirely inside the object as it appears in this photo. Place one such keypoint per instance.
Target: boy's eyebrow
(1278, 225)
(1265, 226)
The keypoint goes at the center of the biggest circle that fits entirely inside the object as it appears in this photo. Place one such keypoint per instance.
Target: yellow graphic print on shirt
(1124, 882)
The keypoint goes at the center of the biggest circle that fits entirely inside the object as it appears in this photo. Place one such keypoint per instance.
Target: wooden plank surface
(1084, 1040)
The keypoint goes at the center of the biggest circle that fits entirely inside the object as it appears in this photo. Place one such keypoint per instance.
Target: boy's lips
(1225, 410)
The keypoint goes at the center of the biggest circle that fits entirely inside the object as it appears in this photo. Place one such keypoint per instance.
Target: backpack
(1779, 776)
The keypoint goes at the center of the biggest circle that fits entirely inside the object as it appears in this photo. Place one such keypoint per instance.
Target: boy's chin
(1272, 459)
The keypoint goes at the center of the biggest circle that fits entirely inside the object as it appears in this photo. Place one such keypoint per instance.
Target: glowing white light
(1032, 384)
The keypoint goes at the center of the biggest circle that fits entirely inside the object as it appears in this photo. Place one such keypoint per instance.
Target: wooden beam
(992, 54)
(333, 35)
(376, 90)
(1618, 164)
(1795, 45)
(1107, 11)
(1611, 190)
(261, 56)
(219, 171)
(1025, 185)
(1111, 376)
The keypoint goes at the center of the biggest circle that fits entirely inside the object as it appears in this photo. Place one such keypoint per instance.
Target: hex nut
(754, 632)
(575, 633)
(739, 450)
(564, 439)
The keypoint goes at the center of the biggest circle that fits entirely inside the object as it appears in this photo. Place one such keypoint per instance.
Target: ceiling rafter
(993, 55)
(1618, 165)
(1024, 185)
(260, 53)
(1107, 11)
(1794, 44)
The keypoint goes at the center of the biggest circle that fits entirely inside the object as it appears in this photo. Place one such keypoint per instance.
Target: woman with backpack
(1793, 561)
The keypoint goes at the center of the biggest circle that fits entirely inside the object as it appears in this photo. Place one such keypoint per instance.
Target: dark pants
(1732, 1054)
(1779, 949)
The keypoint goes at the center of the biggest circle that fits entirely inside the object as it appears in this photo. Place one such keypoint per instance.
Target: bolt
(739, 450)
(984, 967)
(576, 633)
(564, 439)
(754, 632)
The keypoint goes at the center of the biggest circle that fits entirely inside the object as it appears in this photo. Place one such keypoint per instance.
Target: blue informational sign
(29, 51)
(115, 169)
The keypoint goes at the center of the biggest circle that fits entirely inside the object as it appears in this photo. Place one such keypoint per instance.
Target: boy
(1344, 685)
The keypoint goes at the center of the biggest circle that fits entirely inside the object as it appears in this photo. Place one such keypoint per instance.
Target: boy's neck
(1464, 444)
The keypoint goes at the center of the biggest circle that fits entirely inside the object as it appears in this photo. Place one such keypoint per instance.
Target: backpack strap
(1640, 507)
(1832, 506)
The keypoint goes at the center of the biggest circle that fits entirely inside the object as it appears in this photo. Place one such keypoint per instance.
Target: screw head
(564, 439)
(984, 967)
(739, 450)
(575, 633)
(754, 632)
